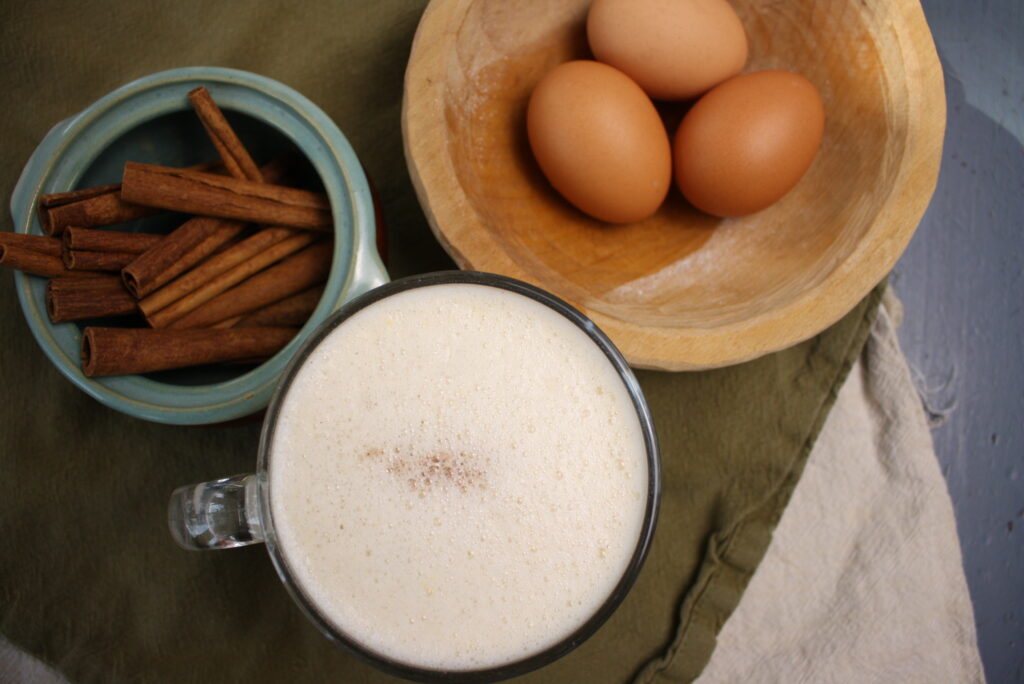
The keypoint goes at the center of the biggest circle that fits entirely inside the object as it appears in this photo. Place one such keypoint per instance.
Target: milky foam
(458, 477)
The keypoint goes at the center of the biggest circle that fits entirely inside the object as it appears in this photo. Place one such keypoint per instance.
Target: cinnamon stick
(99, 281)
(65, 302)
(291, 311)
(294, 274)
(36, 243)
(237, 263)
(206, 194)
(211, 268)
(122, 351)
(94, 240)
(220, 272)
(99, 206)
(56, 199)
(82, 260)
(188, 245)
(90, 207)
(184, 247)
(182, 292)
(37, 263)
(234, 155)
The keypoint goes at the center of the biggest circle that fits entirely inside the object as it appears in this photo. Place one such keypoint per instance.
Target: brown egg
(675, 49)
(748, 141)
(600, 141)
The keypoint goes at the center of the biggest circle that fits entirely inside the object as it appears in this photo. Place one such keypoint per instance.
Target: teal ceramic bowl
(150, 120)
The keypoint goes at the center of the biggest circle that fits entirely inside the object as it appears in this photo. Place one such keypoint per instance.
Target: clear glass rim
(592, 624)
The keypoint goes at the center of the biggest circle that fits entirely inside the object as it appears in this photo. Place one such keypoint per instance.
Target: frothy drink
(458, 477)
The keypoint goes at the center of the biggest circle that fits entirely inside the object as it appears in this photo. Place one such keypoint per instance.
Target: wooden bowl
(681, 290)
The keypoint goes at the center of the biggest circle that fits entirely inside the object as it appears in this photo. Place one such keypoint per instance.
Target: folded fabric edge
(18, 665)
(733, 554)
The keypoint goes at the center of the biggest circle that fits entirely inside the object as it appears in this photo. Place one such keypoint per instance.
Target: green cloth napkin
(90, 580)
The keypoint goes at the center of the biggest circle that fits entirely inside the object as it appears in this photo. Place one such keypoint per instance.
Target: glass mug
(292, 504)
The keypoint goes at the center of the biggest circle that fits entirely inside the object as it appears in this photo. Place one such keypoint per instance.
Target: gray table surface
(961, 283)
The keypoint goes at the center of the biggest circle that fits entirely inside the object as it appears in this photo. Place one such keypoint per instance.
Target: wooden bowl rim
(676, 348)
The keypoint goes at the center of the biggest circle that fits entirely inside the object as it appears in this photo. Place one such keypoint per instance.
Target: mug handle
(220, 514)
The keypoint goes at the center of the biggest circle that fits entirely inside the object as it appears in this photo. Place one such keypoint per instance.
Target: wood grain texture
(681, 290)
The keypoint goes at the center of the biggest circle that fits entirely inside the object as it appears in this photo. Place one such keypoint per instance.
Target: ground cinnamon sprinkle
(436, 469)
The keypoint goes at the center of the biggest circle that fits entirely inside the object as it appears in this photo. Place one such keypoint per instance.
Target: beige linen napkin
(863, 581)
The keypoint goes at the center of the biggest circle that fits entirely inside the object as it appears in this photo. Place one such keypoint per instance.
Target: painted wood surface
(962, 284)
